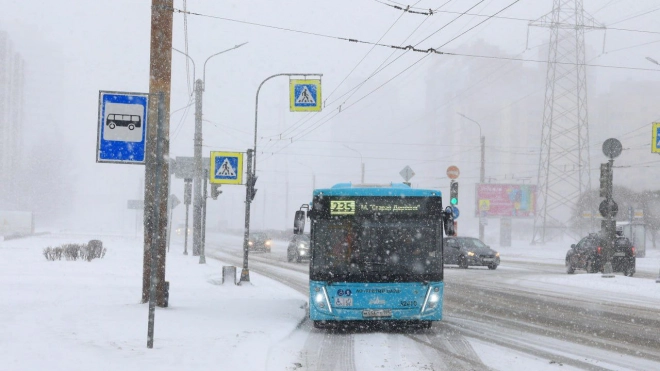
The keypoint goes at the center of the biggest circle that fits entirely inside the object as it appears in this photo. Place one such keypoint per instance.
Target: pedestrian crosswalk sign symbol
(655, 145)
(226, 168)
(305, 95)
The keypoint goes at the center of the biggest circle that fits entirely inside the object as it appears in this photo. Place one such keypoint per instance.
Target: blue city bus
(376, 254)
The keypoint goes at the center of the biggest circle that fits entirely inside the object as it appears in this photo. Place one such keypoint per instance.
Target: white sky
(73, 49)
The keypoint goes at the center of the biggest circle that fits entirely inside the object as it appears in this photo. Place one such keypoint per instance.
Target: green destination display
(371, 205)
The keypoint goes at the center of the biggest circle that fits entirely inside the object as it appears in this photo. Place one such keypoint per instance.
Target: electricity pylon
(564, 164)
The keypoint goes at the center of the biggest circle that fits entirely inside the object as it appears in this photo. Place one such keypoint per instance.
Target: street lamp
(361, 162)
(482, 171)
(197, 190)
(251, 174)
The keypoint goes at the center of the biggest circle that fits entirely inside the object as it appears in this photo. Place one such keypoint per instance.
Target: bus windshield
(368, 250)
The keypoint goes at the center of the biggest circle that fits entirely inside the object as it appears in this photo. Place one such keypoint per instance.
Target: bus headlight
(432, 299)
(470, 253)
(322, 301)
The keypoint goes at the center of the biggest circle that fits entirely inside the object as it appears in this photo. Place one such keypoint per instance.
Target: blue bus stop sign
(122, 127)
(454, 211)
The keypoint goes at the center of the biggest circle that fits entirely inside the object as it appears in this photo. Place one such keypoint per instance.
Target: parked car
(469, 251)
(259, 241)
(589, 254)
(298, 248)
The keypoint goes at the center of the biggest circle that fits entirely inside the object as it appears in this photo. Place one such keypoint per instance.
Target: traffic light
(606, 180)
(453, 193)
(215, 191)
(251, 182)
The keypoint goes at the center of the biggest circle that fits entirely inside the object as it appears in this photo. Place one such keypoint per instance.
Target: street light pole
(361, 163)
(313, 174)
(482, 170)
(252, 172)
(198, 140)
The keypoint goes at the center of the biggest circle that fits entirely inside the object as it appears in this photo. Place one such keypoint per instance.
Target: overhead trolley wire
(354, 90)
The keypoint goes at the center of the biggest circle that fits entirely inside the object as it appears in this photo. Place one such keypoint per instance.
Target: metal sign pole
(202, 257)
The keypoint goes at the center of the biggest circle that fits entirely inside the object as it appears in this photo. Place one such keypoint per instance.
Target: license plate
(376, 313)
(488, 259)
(619, 254)
(343, 302)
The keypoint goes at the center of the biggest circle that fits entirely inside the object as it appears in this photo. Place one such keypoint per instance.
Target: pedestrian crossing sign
(655, 145)
(226, 168)
(305, 95)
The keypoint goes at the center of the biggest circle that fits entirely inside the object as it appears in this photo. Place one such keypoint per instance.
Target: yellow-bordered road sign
(226, 168)
(305, 95)
(484, 205)
(655, 146)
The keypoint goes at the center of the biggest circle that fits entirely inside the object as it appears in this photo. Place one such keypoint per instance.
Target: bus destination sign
(381, 205)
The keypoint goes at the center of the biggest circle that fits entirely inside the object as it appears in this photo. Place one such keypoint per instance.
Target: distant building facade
(12, 87)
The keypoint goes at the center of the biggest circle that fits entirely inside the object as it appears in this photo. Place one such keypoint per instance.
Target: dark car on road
(298, 249)
(259, 241)
(589, 254)
(469, 251)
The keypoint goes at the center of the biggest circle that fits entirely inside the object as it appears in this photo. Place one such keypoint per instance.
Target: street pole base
(607, 271)
(202, 259)
(657, 280)
(185, 253)
(245, 276)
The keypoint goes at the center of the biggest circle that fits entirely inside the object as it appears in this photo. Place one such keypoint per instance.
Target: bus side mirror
(299, 222)
(448, 221)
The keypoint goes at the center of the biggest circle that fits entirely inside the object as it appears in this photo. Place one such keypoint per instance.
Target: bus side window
(111, 117)
(135, 118)
(126, 118)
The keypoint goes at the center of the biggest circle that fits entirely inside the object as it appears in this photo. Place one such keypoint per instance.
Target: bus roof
(391, 190)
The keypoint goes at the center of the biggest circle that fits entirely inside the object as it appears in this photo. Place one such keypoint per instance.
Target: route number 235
(342, 207)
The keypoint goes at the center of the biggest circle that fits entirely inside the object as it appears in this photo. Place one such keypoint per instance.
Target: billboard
(505, 200)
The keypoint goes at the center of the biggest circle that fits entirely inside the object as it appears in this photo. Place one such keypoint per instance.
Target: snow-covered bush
(53, 253)
(92, 250)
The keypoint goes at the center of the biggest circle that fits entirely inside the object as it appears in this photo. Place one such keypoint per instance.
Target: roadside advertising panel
(505, 200)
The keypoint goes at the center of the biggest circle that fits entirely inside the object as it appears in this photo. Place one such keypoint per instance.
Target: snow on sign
(122, 127)
(226, 168)
(407, 173)
(305, 95)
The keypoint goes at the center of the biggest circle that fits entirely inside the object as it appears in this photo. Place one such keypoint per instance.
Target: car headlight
(470, 253)
(250, 243)
(302, 246)
(302, 252)
(267, 243)
(497, 254)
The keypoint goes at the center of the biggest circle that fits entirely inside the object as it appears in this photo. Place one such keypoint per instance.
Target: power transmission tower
(564, 165)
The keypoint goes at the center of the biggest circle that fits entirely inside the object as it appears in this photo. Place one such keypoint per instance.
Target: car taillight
(599, 250)
(633, 250)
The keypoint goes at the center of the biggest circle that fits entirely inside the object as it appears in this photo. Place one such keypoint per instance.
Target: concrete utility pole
(245, 273)
(197, 184)
(200, 86)
(160, 73)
